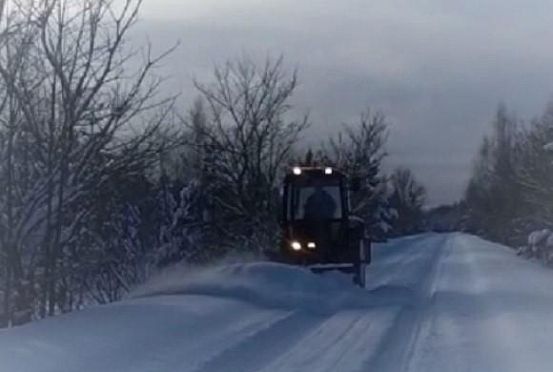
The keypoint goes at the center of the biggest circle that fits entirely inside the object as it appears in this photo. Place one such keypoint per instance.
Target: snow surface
(434, 302)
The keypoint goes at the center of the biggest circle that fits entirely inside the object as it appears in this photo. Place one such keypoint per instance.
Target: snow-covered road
(433, 303)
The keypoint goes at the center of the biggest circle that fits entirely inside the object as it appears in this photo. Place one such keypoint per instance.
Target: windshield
(315, 203)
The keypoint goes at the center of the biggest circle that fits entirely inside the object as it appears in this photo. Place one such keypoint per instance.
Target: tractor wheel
(360, 275)
(364, 258)
(368, 251)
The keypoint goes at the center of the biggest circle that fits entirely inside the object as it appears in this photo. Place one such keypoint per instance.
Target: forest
(508, 198)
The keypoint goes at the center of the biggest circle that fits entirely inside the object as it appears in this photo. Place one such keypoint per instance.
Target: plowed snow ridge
(433, 303)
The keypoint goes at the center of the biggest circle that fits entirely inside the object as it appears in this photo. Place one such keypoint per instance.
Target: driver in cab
(320, 205)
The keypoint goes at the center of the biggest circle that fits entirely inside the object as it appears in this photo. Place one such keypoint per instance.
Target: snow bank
(538, 237)
(540, 246)
(264, 284)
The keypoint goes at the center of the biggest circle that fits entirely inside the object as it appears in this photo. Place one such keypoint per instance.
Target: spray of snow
(264, 284)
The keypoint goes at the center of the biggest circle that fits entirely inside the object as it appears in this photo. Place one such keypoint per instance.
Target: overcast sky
(437, 69)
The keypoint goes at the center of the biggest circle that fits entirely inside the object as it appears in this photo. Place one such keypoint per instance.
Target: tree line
(508, 198)
(104, 181)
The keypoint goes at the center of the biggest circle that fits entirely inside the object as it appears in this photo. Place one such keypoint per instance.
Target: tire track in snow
(478, 319)
(341, 343)
(397, 347)
(263, 346)
(175, 352)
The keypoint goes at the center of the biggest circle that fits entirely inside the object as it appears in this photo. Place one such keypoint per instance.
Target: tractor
(318, 228)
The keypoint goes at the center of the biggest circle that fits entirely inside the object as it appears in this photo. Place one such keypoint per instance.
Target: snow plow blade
(358, 271)
(344, 268)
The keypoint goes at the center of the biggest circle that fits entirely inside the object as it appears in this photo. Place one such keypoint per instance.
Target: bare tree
(82, 118)
(246, 143)
(407, 199)
(494, 200)
(358, 151)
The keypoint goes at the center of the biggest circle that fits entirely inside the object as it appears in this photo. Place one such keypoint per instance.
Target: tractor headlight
(295, 245)
(296, 171)
(311, 245)
(328, 170)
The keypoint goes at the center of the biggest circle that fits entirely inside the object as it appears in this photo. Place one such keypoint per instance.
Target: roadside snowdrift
(264, 284)
(184, 320)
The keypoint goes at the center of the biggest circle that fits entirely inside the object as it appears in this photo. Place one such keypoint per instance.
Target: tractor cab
(317, 227)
